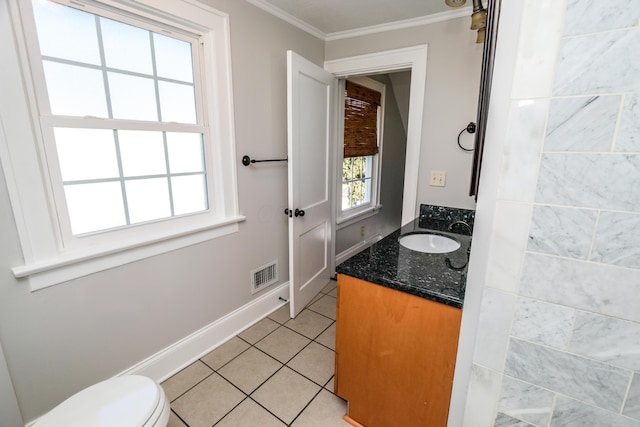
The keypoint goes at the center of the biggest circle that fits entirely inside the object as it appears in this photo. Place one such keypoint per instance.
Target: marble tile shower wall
(559, 332)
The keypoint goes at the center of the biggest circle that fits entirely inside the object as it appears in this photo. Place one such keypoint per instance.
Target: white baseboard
(182, 353)
(348, 253)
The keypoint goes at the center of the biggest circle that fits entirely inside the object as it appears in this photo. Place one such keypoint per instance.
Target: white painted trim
(399, 25)
(81, 263)
(380, 28)
(50, 255)
(415, 59)
(287, 17)
(348, 253)
(182, 353)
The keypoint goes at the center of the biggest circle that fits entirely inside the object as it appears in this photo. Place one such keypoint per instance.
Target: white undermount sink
(429, 243)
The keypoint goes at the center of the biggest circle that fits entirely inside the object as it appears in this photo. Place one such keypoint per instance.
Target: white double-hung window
(363, 113)
(132, 132)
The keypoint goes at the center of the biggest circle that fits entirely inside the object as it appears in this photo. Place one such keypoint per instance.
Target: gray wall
(453, 70)
(394, 146)
(559, 323)
(63, 338)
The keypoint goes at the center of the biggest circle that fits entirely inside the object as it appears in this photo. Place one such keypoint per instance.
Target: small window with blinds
(362, 146)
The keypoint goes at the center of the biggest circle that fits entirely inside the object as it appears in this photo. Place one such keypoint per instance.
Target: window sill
(70, 266)
(352, 219)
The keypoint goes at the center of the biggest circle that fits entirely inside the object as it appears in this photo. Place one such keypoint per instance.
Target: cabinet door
(395, 355)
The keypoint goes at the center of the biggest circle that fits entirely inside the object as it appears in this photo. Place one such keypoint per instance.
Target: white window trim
(349, 216)
(46, 261)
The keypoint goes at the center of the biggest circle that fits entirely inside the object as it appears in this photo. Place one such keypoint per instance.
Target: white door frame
(414, 59)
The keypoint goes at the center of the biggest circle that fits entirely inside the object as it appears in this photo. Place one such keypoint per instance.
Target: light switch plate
(438, 178)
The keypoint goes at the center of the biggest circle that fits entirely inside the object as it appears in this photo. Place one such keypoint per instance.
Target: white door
(310, 93)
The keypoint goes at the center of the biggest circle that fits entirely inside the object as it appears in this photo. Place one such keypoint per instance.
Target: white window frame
(51, 254)
(349, 216)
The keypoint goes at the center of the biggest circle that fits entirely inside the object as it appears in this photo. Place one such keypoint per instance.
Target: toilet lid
(127, 401)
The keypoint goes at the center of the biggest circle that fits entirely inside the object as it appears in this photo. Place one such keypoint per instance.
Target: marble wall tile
(548, 324)
(493, 328)
(503, 420)
(537, 51)
(593, 382)
(484, 386)
(525, 136)
(598, 288)
(599, 63)
(571, 413)
(629, 132)
(591, 16)
(560, 231)
(632, 405)
(610, 340)
(600, 181)
(525, 401)
(508, 242)
(582, 124)
(618, 239)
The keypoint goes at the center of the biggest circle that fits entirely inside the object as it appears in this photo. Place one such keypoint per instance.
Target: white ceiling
(336, 18)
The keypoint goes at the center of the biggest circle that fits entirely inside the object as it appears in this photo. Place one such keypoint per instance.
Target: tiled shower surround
(558, 342)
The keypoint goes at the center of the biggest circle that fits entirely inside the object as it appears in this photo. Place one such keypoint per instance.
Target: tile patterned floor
(279, 372)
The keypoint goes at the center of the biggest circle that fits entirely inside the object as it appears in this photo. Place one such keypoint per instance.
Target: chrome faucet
(453, 224)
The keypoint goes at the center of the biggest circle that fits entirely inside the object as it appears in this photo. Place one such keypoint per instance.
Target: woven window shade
(360, 121)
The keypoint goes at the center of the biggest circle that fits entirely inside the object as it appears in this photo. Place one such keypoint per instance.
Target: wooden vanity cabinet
(395, 355)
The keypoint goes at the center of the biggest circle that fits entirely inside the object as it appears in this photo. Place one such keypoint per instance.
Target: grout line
(282, 366)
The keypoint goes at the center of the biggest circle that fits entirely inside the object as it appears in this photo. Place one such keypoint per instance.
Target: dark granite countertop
(426, 275)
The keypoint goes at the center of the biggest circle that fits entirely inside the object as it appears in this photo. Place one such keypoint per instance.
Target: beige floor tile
(326, 410)
(225, 353)
(283, 344)
(250, 414)
(285, 394)
(185, 379)
(315, 362)
(331, 286)
(309, 323)
(258, 331)
(250, 369)
(281, 315)
(330, 385)
(208, 402)
(333, 292)
(328, 337)
(314, 299)
(174, 421)
(325, 306)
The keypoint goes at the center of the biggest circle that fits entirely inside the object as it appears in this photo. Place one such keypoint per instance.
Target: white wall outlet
(438, 178)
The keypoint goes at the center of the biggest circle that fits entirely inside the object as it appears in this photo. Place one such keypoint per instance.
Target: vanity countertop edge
(439, 277)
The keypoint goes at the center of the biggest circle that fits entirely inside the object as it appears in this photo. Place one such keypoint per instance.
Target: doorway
(381, 176)
(413, 59)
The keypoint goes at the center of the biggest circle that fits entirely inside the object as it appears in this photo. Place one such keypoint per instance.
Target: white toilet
(128, 401)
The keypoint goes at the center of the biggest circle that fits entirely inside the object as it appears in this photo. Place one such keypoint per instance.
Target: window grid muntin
(122, 179)
(104, 69)
(349, 184)
(87, 122)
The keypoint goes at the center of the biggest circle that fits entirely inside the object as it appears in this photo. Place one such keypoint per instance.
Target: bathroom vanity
(398, 321)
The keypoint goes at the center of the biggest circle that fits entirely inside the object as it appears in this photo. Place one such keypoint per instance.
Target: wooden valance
(360, 120)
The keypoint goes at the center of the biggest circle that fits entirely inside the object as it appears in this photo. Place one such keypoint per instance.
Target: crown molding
(287, 17)
(397, 25)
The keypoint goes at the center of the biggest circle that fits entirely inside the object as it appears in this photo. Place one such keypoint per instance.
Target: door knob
(298, 212)
(287, 212)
